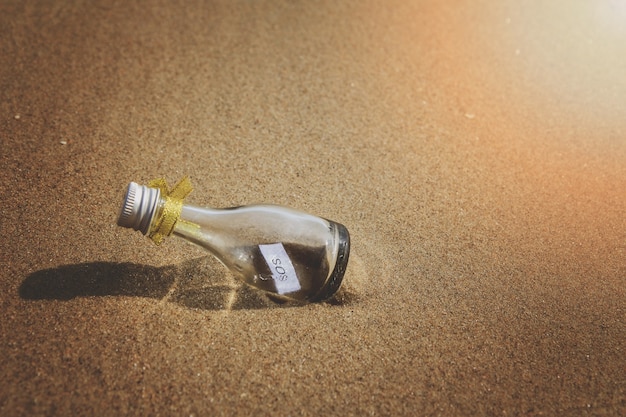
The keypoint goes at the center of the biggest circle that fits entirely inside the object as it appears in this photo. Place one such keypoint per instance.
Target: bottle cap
(138, 208)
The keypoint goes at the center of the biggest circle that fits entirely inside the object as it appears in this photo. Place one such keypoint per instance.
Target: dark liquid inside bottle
(297, 271)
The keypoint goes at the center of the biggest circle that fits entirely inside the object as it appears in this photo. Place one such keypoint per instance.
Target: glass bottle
(276, 249)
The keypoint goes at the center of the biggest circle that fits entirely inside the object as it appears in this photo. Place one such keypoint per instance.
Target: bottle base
(336, 277)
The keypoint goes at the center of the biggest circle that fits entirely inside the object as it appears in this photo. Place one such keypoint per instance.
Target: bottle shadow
(197, 283)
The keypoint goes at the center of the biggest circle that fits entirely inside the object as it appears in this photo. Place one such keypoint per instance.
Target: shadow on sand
(198, 283)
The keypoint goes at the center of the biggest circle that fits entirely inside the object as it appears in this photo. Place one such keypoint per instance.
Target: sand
(475, 150)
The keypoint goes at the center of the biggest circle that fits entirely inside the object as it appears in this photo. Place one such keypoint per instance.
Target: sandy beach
(476, 151)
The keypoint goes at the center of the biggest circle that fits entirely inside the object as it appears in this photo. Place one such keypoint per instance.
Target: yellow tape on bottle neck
(163, 226)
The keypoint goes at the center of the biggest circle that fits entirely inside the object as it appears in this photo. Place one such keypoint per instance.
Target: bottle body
(276, 249)
(273, 248)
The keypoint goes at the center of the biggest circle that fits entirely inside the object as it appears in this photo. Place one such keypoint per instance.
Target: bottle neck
(201, 227)
(166, 216)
